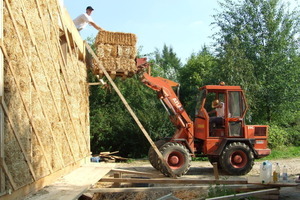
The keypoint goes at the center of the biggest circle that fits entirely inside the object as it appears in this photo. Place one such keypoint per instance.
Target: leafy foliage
(198, 71)
(257, 48)
(166, 63)
(113, 128)
(278, 136)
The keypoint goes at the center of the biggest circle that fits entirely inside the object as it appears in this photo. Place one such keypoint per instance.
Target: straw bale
(116, 38)
(116, 52)
(107, 50)
(126, 64)
(126, 52)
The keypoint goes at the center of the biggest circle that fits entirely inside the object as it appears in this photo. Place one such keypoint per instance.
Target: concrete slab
(73, 185)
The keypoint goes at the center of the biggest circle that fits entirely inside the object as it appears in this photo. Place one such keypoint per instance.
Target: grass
(284, 152)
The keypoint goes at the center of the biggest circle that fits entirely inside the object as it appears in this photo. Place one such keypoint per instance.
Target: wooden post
(2, 177)
(216, 172)
(117, 175)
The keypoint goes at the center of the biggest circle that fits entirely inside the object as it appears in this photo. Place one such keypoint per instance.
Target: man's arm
(96, 26)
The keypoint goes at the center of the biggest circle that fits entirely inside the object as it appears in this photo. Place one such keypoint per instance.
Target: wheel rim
(175, 160)
(238, 159)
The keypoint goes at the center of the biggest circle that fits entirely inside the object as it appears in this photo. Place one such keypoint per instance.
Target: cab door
(236, 113)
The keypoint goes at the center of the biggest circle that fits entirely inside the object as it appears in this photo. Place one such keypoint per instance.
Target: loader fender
(227, 141)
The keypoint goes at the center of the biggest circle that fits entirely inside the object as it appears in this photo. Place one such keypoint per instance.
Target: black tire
(237, 159)
(177, 157)
(152, 155)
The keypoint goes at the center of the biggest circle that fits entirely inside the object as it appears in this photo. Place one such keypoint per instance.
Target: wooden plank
(35, 84)
(133, 172)
(74, 184)
(172, 181)
(2, 177)
(41, 183)
(247, 194)
(97, 83)
(7, 173)
(143, 189)
(130, 110)
(255, 180)
(19, 90)
(172, 188)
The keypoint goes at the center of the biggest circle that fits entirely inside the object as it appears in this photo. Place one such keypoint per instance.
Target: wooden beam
(246, 194)
(97, 83)
(133, 172)
(7, 173)
(143, 189)
(130, 110)
(172, 181)
(216, 172)
(2, 177)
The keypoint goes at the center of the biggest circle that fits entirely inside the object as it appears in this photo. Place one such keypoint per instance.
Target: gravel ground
(203, 169)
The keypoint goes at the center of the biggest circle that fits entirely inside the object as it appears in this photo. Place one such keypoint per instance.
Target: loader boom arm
(170, 100)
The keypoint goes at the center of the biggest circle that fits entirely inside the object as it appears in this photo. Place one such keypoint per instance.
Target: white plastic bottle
(284, 174)
(265, 172)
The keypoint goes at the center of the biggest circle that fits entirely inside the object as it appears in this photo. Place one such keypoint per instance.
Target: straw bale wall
(45, 101)
(116, 52)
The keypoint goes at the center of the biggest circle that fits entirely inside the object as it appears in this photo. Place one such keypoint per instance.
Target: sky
(184, 25)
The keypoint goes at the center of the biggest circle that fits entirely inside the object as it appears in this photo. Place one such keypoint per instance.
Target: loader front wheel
(237, 159)
(152, 155)
(177, 157)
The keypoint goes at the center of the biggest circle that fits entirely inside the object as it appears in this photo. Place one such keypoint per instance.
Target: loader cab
(209, 123)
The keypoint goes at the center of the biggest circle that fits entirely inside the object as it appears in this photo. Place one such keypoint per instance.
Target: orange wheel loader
(221, 135)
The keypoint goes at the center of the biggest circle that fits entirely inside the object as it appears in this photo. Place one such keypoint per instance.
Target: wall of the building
(45, 101)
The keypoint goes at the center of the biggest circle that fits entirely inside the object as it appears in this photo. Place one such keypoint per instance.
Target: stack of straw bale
(116, 52)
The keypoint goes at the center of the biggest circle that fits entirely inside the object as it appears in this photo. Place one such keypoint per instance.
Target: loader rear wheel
(177, 157)
(237, 159)
(152, 155)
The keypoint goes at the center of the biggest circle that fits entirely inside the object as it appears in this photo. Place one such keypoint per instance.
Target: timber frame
(2, 177)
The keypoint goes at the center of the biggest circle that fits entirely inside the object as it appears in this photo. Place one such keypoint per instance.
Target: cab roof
(221, 87)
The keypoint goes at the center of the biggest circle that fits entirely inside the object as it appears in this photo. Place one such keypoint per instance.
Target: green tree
(166, 63)
(198, 71)
(257, 48)
(112, 127)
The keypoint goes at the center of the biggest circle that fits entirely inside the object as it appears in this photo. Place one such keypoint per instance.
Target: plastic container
(284, 174)
(95, 159)
(265, 172)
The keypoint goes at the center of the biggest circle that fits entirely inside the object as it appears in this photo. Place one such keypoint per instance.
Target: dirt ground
(204, 170)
